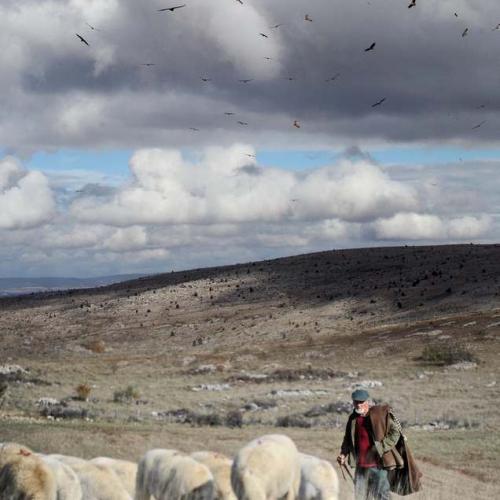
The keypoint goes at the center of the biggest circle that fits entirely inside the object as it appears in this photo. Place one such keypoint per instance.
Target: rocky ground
(225, 354)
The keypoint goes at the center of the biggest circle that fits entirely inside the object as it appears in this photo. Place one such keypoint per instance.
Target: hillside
(272, 345)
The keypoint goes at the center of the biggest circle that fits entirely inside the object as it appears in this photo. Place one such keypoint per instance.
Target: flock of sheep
(268, 468)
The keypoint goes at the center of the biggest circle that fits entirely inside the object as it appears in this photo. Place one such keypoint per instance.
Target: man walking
(369, 445)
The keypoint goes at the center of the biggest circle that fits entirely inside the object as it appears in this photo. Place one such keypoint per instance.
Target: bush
(126, 395)
(96, 345)
(83, 392)
(446, 354)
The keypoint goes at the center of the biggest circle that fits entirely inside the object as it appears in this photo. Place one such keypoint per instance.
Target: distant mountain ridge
(22, 286)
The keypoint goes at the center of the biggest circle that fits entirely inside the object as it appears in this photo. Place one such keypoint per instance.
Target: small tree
(126, 395)
(83, 392)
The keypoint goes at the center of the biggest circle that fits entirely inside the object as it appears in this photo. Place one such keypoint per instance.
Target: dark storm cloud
(437, 84)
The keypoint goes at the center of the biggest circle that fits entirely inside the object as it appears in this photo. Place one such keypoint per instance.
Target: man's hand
(341, 459)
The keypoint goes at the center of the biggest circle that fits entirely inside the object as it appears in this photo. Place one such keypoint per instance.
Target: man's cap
(360, 395)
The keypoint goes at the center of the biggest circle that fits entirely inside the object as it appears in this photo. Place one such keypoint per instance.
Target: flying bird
(412, 4)
(228, 113)
(307, 18)
(246, 80)
(371, 47)
(249, 155)
(242, 123)
(264, 35)
(466, 30)
(289, 78)
(171, 9)
(148, 64)
(331, 79)
(203, 79)
(276, 26)
(194, 129)
(82, 39)
(455, 14)
(240, 1)
(378, 103)
(296, 124)
(478, 125)
(92, 27)
(268, 58)
(497, 27)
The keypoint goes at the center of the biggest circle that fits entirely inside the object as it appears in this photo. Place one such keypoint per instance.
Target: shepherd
(374, 444)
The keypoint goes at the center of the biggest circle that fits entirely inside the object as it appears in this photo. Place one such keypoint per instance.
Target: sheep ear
(24, 453)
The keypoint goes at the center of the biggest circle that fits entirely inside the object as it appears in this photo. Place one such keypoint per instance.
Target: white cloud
(414, 226)
(25, 197)
(226, 186)
(126, 239)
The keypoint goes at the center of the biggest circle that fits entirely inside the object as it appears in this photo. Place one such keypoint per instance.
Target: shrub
(96, 345)
(446, 354)
(126, 395)
(83, 392)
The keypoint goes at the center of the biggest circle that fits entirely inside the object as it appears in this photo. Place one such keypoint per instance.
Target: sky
(134, 140)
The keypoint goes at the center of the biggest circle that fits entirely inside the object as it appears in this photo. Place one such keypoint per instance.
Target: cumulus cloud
(25, 197)
(414, 226)
(224, 186)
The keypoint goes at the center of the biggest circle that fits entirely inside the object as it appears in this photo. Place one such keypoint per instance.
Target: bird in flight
(203, 79)
(378, 103)
(228, 113)
(331, 79)
(264, 35)
(194, 129)
(240, 1)
(242, 123)
(276, 26)
(249, 155)
(171, 9)
(82, 39)
(497, 27)
(412, 4)
(307, 18)
(296, 124)
(466, 30)
(478, 125)
(92, 27)
(289, 78)
(455, 14)
(371, 47)
(148, 64)
(267, 58)
(246, 80)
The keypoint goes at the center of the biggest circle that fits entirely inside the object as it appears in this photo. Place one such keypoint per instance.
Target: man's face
(361, 407)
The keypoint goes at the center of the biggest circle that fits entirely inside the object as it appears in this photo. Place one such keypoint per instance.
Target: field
(211, 358)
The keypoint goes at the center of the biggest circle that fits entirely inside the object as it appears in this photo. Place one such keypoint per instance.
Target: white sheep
(67, 482)
(170, 475)
(319, 481)
(267, 468)
(98, 482)
(125, 470)
(24, 475)
(220, 467)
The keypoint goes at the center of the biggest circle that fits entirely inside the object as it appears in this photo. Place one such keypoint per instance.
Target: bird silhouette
(289, 78)
(464, 33)
(148, 64)
(242, 123)
(228, 113)
(82, 39)
(264, 35)
(249, 155)
(203, 79)
(296, 124)
(371, 47)
(331, 79)
(497, 27)
(412, 4)
(276, 26)
(240, 1)
(268, 58)
(307, 18)
(478, 125)
(246, 80)
(93, 28)
(194, 129)
(171, 9)
(378, 103)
